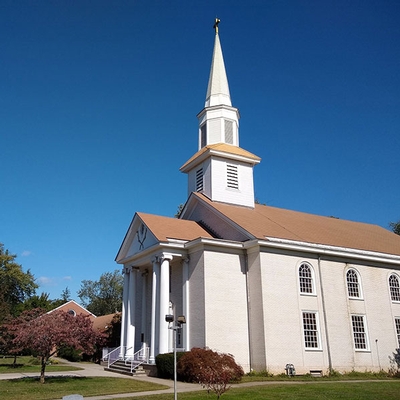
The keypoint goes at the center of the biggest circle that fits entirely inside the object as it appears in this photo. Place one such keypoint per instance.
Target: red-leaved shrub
(212, 370)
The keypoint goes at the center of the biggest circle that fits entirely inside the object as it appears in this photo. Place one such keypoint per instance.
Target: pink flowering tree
(44, 334)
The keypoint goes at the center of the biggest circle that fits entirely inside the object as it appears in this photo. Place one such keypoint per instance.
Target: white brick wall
(226, 307)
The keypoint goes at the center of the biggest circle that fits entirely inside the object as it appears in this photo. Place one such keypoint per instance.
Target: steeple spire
(221, 170)
(218, 88)
(218, 121)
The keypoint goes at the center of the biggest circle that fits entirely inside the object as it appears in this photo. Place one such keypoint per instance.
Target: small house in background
(109, 324)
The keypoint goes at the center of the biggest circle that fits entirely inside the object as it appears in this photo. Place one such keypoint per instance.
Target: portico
(156, 283)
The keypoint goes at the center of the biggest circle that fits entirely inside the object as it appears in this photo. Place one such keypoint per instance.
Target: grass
(31, 364)
(57, 387)
(387, 390)
(373, 386)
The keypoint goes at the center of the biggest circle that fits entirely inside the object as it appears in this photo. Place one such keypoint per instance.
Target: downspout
(246, 267)
(324, 314)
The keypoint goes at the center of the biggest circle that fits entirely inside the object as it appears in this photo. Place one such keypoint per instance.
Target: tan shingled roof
(164, 228)
(223, 148)
(103, 321)
(266, 221)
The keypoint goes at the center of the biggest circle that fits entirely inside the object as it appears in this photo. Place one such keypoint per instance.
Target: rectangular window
(199, 180)
(232, 176)
(359, 332)
(397, 323)
(310, 329)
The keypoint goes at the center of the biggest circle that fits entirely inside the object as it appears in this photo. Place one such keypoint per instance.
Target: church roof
(264, 222)
(164, 228)
(223, 149)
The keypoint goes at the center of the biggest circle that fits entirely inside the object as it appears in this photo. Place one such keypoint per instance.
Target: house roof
(103, 321)
(164, 228)
(265, 222)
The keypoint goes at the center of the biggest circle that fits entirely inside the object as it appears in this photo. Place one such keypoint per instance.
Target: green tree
(104, 296)
(36, 301)
(395, 226)
(16, 285)
(66, 295)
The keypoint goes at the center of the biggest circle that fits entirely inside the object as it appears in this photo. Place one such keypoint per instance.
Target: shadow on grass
(64, 379)
(11, 366)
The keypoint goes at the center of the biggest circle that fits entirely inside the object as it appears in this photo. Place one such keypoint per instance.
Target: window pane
(305, 278)
(360, 337)
(352, 284)
(310, 330)
(394, 288)
(397, 322)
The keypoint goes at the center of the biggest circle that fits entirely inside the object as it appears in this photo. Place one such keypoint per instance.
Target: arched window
(353, 284)
(306, 279)
(394, 286)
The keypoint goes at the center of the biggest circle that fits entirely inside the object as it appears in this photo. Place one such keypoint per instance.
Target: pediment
(137, 239)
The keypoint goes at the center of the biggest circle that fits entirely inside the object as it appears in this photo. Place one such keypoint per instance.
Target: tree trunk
(42, 369)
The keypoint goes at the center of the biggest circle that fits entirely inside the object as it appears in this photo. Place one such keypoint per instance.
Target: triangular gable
(138, 238)
(72, 305)
(146, 230)
(201, 209)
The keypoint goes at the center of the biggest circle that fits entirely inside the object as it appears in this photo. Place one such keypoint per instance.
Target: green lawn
(57, 387)
(298, 391)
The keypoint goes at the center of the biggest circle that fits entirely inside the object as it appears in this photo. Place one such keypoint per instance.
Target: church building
(267, 285)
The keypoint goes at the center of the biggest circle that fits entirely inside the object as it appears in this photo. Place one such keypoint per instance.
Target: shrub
(394, 369)
(165, 364)
(212, 370)
(69, 353)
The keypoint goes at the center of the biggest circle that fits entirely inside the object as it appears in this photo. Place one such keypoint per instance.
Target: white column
(154, 290)
(164, 303)
(130, 334)
(144, 338)
(185, 304)
(125, 295)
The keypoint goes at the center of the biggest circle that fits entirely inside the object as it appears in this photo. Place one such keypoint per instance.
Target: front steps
(120, 368)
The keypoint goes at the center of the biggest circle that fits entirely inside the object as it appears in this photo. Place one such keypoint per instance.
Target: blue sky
(98, 105)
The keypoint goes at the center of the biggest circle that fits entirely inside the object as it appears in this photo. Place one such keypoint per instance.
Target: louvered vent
(203, 131)
(228, 131)
(232, 176)
(199, 180)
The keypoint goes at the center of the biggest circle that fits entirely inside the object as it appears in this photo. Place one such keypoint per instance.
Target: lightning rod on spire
(217, 21)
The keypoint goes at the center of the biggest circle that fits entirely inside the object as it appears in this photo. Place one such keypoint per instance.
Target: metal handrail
(116, 354)
(138, 358)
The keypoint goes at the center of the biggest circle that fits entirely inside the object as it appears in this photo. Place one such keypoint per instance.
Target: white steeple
(220, 169)
(218, 88)
(218, 121)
